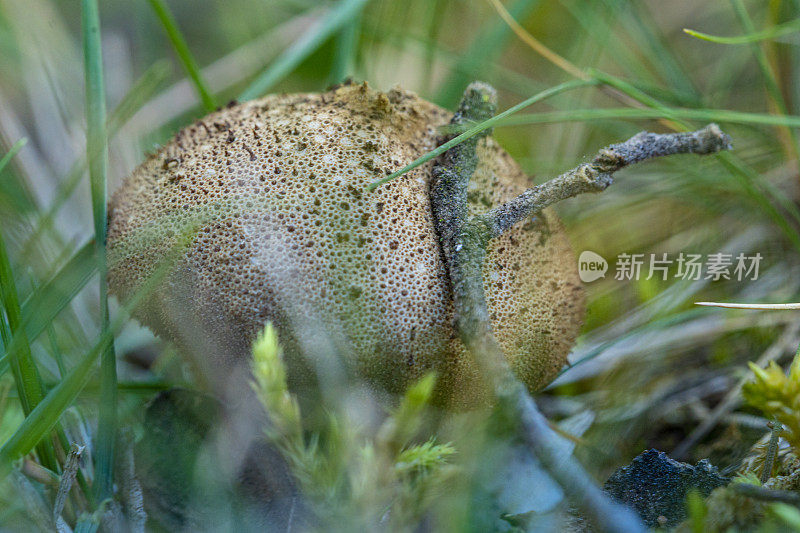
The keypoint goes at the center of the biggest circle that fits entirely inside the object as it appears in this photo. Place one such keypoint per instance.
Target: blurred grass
(97, 157)
(339, 16)
(183, 52)
(20, 359)
(345, 51)
(649, 363)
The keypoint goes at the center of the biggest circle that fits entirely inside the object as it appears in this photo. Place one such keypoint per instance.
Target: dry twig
(464, 241)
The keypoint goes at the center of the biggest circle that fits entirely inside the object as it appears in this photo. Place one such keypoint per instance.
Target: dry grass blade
(764, 307)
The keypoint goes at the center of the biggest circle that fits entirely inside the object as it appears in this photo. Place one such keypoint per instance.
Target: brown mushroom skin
(272, 193)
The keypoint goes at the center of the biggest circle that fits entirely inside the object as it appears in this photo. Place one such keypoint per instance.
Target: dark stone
(656, 486)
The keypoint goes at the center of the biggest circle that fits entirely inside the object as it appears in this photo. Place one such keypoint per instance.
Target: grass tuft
(18, 349)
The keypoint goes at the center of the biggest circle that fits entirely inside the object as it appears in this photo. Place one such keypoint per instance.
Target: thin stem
(612, 113)
(750, 306)
(67, 479)
(97, 157)
(184, 54)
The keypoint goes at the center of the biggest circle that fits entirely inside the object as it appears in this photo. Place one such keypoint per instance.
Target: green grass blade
(56, 351)
(645, 30)
(436, 11)
(343, 13)
(478, 128)
(11, 153)
(26, 375)
(139, 94)
(503, 78)
(87, 524)
(626, 113)
(19, 357)
(6, 340)
(97, 142)
(58, 356)
(45, 416)
(97, 157)
(775, 32)
(600, 22)
(44, 305)
(184, 54)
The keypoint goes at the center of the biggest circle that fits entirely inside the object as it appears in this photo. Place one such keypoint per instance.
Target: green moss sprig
(777, 394)
(350, 479)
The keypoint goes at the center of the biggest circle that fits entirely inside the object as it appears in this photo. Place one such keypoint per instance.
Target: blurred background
(650, 369)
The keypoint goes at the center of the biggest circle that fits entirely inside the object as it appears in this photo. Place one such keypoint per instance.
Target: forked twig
(464, 241)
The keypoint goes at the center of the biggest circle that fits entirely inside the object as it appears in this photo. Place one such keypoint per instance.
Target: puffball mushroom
(270, 197)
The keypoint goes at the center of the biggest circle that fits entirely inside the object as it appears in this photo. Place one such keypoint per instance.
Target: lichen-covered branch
(464, 244)
(597, 175)
(455, 167)
(464, 247)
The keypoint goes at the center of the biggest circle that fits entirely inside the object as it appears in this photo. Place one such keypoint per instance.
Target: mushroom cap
(260, 213)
